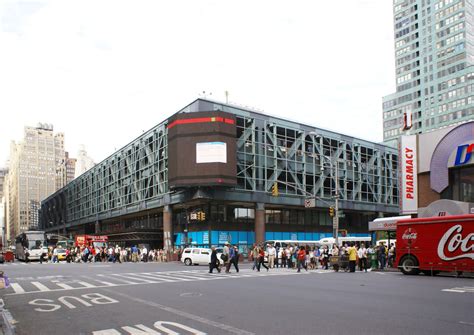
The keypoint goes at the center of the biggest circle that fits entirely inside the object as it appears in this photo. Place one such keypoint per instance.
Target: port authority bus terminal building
(214, 172)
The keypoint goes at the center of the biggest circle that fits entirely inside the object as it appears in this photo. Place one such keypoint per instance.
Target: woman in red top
(261, 258)
(302, 259)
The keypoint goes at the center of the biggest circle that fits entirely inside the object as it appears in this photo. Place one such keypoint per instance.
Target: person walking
(352, 257)
(55, 255)
(381, 255)
(235, 259)
(261, 259)
(226, 256)
(301, 259)
(362, 253)
(326, 257)
(231, 260)
(254, 252)
(42, 254)
(271, 256)
(134, 254)
(214, 264)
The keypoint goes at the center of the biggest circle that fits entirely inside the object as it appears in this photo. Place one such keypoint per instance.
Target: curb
(7, 322)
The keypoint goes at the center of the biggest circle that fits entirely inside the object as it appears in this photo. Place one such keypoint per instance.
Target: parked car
(198, 256)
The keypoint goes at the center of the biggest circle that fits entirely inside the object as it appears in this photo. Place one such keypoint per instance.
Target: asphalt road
(155, 298)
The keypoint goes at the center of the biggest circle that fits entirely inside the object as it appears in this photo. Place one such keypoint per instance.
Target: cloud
(102, 72)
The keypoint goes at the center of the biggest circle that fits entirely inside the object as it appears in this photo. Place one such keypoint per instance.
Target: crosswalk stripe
(166, 278)
(64, 286)
(155, 278)
(40, 286)
(128, 276)
(17, 288)
(121, 280)
(106, 283)
(85, 284)
(193, 276)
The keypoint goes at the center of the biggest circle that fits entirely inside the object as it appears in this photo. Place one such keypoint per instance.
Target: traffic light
(275, 189)
(331, 211)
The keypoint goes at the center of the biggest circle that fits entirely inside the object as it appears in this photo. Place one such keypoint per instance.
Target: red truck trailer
(436, 244)
(96, 241)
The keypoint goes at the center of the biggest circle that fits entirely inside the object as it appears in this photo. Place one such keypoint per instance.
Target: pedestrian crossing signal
(331, 211)
(275, 192)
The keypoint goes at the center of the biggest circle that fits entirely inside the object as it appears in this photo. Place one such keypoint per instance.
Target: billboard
(202, 149)
(408, 175)
(211, 152)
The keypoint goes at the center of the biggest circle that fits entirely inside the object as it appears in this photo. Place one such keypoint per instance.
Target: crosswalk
(55, 284)
(464, 289)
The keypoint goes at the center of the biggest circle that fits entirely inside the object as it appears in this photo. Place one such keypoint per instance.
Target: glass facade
(302, 161)
(434, 56)
(461, 185)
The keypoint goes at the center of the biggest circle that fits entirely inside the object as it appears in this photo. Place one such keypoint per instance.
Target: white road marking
(85, 284)
(64, 286)
(106, 283)
(120, 280)
(131, 277)
(144, 278)
(17, 288)
(465, 289)
(452, 290)
(40, 286)
(187, 315)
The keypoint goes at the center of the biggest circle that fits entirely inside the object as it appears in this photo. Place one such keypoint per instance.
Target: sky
(102, 72)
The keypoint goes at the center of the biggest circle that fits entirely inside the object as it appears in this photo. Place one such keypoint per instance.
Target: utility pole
(335, 219)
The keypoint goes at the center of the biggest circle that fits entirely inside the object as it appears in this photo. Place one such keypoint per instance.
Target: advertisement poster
(211, 152)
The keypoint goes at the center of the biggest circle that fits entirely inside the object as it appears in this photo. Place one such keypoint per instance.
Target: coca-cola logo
(410, 235)
(456, 246)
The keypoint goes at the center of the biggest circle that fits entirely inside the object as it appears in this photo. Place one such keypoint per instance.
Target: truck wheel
(187, 261)
(408, 264)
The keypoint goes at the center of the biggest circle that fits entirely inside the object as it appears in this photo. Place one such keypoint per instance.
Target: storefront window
(461, 185)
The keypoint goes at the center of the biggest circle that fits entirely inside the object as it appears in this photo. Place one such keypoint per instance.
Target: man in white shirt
(271, 256)
(362, 253)
(145, 254)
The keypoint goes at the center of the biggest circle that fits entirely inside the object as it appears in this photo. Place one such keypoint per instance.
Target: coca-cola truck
(436, 244)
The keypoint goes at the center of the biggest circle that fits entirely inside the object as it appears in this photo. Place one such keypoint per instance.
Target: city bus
(287, 243)
(34, 241)
(330, 241)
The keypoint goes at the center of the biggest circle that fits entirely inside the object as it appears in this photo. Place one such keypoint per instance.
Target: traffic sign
(309, 202)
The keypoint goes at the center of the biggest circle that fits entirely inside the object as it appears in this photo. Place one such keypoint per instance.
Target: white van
(198, 256)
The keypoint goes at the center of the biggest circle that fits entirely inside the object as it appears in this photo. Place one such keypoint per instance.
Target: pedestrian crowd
(346, 257)
(85, 254)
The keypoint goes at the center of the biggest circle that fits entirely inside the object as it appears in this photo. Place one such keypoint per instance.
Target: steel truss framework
(301, 159)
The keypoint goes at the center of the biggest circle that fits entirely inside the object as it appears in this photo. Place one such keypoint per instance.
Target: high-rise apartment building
(434, 58)
(3, 174)
(32, 176)
(83, 162)
(66, 171)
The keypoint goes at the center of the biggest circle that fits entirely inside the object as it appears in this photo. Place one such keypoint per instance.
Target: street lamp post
(335, 223)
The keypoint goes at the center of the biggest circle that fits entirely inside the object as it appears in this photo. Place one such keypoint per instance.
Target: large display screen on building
(211, 152)
(202, 149)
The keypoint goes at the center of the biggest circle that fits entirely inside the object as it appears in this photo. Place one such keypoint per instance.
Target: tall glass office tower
(434, 58)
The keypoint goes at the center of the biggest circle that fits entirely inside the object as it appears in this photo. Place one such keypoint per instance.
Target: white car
(198, 256)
